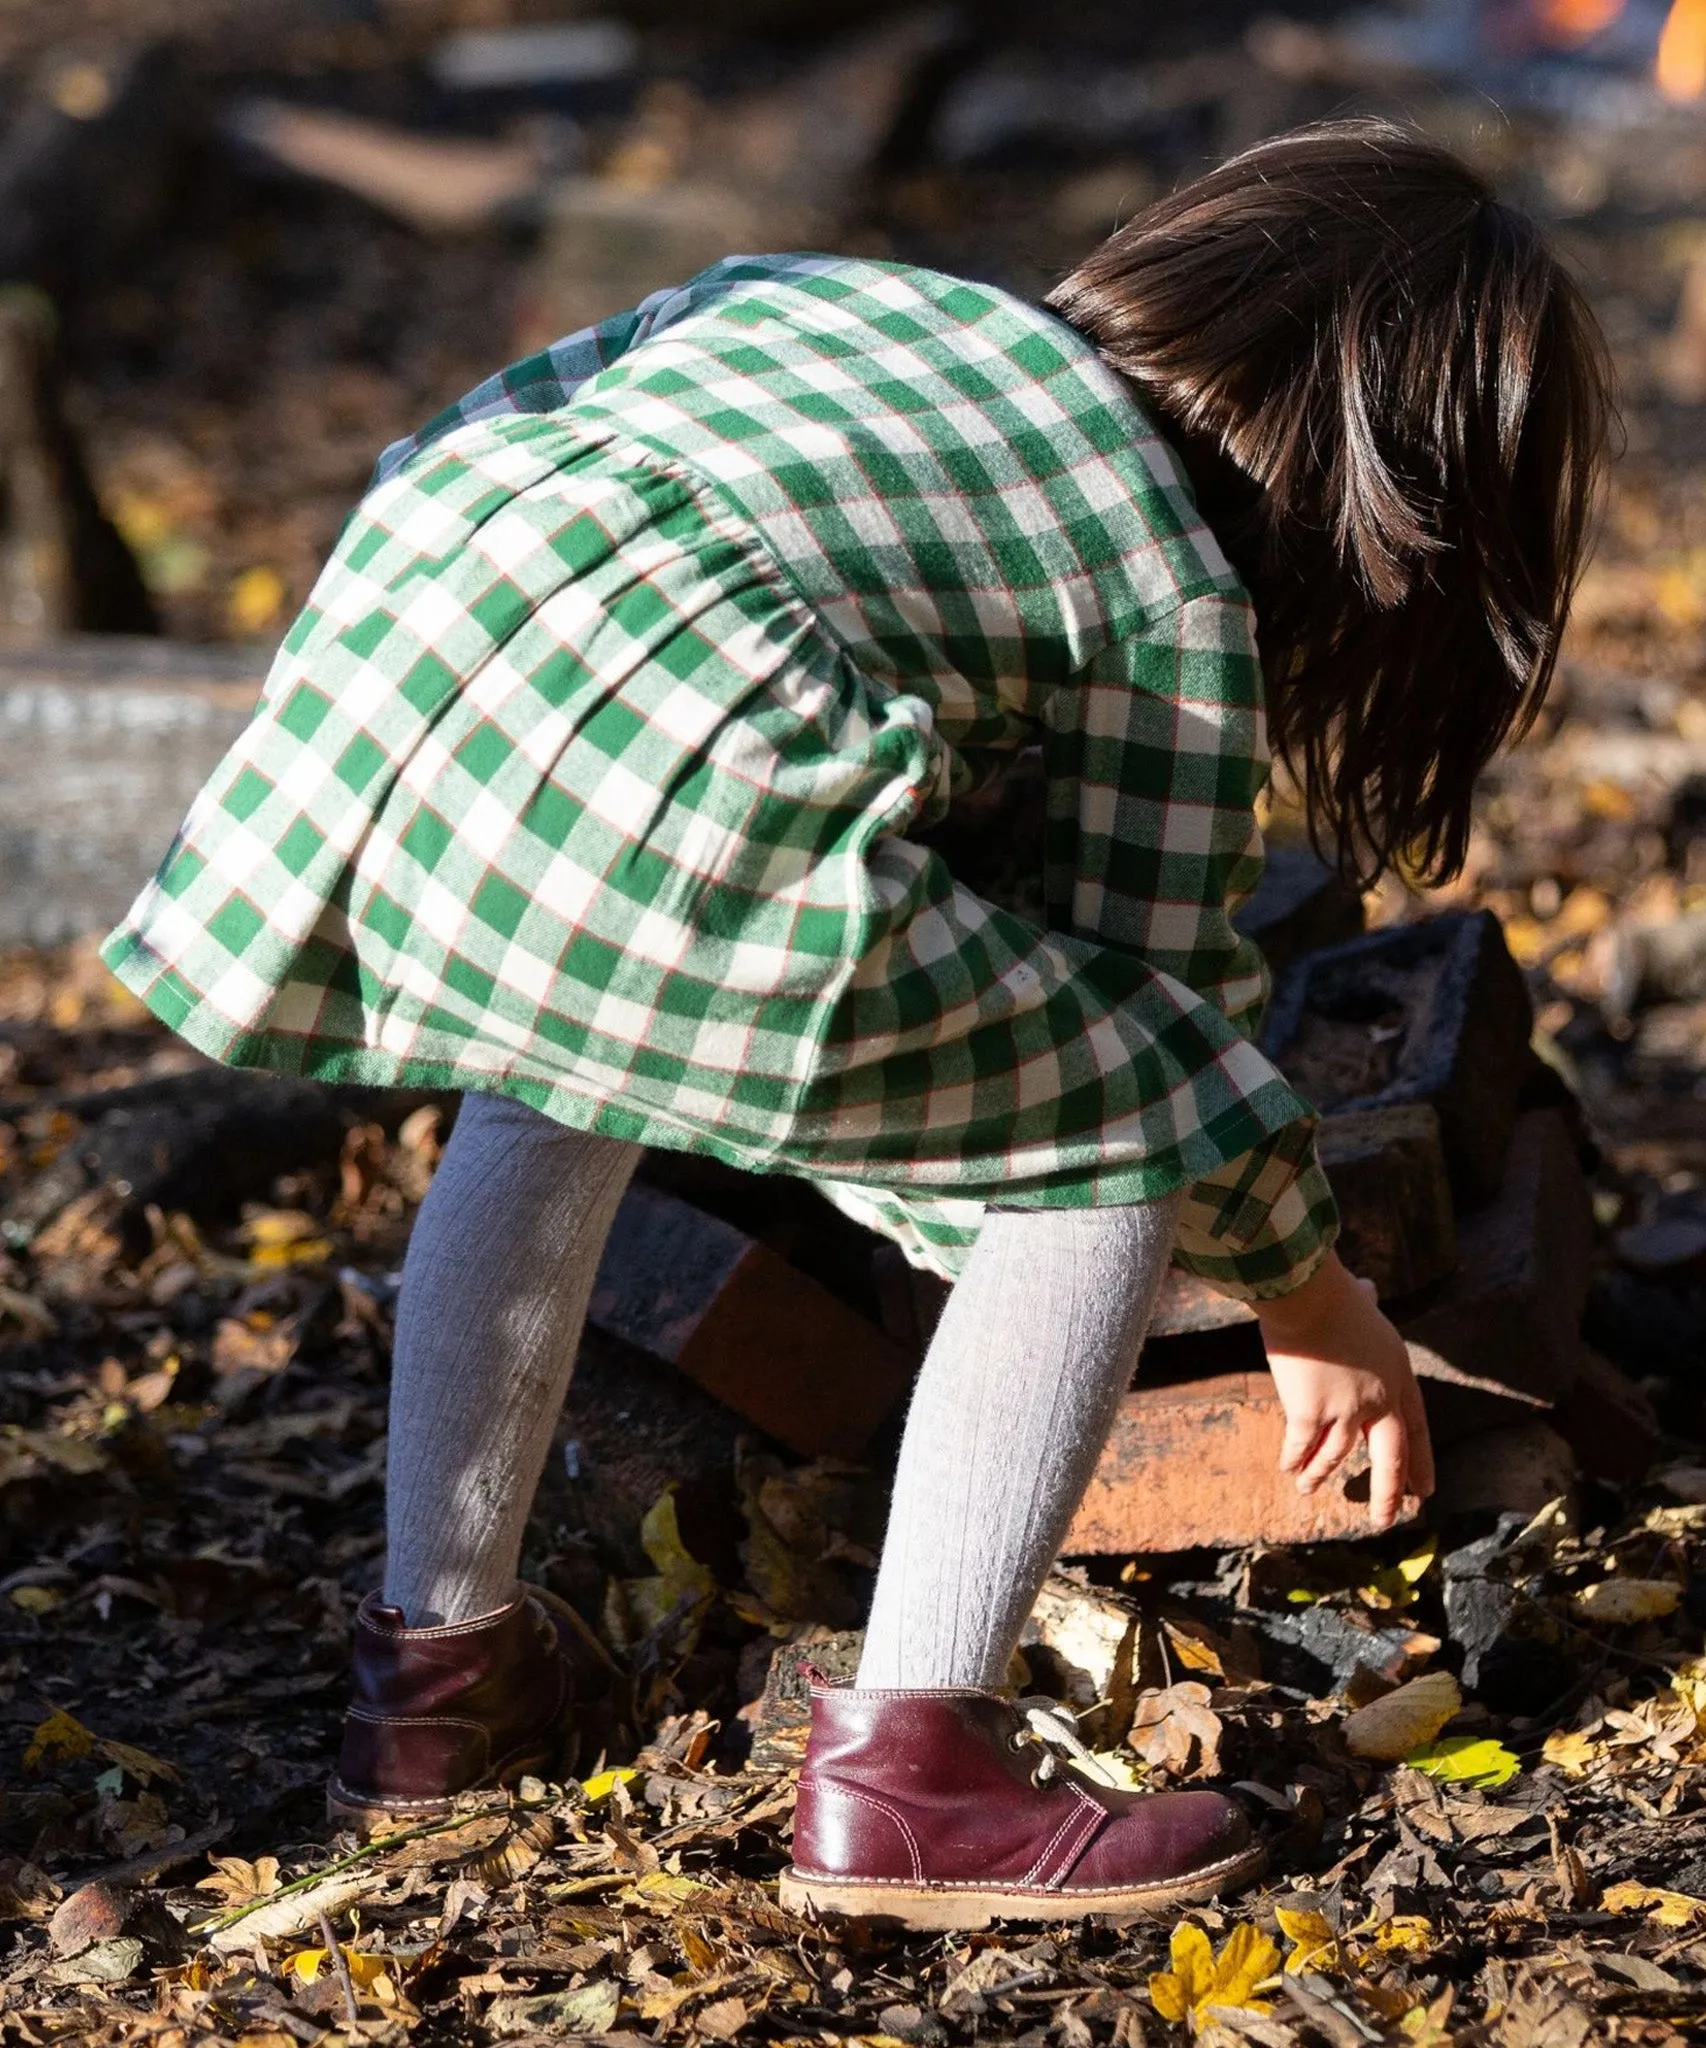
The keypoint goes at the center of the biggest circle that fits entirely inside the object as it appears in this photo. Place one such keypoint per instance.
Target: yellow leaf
(1404, 1934)
(257, 598)
(35, 1599)
(1181, 1989)
(603, 1783)
(1419, 1563)
(1316, 1945)
(1573, 1753)
(1619, 1603)
(285, 1237)
(1248, 1960)
(681, 1581)
(1390, 1728)
(365, 1970)
(60, 1734)
(137, 1763)
(1467, 1760)
(1201, 1980)
(1688, 1682)
(1667, 1909)
(1119, 1769)
(664, 1891)
(236, 1880)
(1605, 799)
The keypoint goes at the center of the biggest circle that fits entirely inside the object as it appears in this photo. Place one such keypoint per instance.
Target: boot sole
(956, 1908)
(347, 1809)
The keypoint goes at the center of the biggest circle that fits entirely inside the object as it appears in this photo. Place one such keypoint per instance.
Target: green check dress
(592, 772)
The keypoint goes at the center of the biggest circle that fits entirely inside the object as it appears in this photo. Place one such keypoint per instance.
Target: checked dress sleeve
(1155, 758)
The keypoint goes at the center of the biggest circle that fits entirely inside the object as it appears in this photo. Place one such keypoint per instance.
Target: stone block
(1514, 1470)
(1300, 904)
(763, 1337)
(1435, 1012)
(1608, 1421)
(1388, 1172)
(1508, 1320)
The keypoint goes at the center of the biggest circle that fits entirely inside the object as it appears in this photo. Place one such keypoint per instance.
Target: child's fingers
(1302, 1434)
(1332, 1451)
(1420, 1443)
(1388, 1457)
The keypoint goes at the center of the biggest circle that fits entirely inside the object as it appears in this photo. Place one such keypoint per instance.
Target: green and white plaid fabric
(588, 772)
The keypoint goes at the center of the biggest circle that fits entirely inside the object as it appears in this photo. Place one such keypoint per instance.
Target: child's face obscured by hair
(1395, 403)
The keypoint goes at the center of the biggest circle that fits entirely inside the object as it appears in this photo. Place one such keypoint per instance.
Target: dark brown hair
(1394, 403)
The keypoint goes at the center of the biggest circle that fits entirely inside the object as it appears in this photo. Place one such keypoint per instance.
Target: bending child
(589, 783)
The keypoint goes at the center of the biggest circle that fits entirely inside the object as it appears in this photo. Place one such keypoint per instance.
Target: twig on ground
(340, 1963)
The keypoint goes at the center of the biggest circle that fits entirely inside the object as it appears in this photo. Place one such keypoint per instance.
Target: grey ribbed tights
(1015, 1400)
(495, 1287)
(1012, 1406)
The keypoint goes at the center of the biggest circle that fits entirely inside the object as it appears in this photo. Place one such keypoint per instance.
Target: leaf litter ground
(190, 1480)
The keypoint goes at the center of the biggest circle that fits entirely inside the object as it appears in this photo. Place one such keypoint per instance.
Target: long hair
(1394, 404)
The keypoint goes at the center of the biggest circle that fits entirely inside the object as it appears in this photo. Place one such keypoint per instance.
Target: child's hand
(1342, 1372)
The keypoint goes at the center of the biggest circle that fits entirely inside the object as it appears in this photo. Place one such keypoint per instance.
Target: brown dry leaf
(1574, 1754)
(723, 2019)
(1389, 1728)
(531, 1836)
(237, 1881)
(1177, 1730)
(259, 1343)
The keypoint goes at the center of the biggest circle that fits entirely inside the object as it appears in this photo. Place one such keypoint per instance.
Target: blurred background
(244, 243)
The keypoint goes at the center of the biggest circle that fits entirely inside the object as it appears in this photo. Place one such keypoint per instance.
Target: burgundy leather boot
(439, 1711)
(951, 1809)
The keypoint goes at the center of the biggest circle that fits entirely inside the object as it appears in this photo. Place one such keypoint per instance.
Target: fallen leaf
(1619, 1603)
(682, 1582)
(35, 1599)
(365, 1970)
(236, 1880)
(61, 1734)
(587, 2009)
(1200, 1979)
(1315, 1945)
(1574, 1754)
(723, 2019)
(1177, 1730)
(1404, 1934)
(1389, 1729)
(603, 1783)
(1466, 1760)
(1666, 1909)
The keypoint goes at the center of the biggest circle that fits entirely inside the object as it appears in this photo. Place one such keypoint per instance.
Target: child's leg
(495, 1288)
(1016, 1398)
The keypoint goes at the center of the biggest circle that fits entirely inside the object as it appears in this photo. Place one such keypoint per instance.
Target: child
(587, 784)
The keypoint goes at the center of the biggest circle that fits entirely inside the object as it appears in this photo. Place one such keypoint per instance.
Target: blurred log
(776, 169)
(86, 161)
(104, 744)
(63, 566)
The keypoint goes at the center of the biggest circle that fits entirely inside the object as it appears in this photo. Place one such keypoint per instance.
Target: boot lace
(1049, 1727)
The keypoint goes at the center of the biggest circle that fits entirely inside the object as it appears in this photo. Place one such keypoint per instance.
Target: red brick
(1197, 1464)
(760, 1335)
